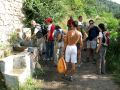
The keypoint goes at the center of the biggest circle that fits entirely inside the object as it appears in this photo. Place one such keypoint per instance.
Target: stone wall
(10, 17)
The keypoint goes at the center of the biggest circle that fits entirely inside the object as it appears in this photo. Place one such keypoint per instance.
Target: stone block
(6, 64)
(19, 62)
(17, 68)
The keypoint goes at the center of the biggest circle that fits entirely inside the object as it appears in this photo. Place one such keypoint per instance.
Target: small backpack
(61, 66)
(58, 35)
(106, 39)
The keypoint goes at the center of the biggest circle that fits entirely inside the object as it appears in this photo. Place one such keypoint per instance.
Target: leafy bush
(113, 53)
(41, 9)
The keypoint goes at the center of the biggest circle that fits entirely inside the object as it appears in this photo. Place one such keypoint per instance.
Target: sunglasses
(91, 23)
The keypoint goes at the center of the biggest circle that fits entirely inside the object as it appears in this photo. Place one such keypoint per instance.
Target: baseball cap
(48, 19)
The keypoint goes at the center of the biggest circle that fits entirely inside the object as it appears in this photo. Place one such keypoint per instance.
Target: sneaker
(65, 77)
(70, 78)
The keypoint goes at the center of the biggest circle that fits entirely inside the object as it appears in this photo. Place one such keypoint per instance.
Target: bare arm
(85, 36)
(81, 41)
(99, 45)
(65, 42)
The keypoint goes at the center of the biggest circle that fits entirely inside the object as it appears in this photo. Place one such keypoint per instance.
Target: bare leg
(73, 70)
(79, 56)
(67, 71)
(103, 61)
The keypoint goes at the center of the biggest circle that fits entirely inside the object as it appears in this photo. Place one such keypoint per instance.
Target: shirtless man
(70, 48)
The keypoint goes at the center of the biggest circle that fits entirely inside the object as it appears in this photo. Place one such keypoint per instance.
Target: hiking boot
(65, 77)
(68, 78)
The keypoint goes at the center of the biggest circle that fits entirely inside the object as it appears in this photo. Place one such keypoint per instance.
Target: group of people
(56, 43)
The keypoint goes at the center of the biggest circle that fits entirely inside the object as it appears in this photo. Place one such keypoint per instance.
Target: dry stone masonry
(10, 17)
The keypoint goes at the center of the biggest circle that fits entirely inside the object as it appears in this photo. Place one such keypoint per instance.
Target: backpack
(61, 66)
(58, 34)
(39, 34)
(44, 30)
(106, 39)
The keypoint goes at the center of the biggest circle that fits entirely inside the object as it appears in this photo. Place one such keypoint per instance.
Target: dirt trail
(85, 79)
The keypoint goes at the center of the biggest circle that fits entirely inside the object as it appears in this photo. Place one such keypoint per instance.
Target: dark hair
(75, 23)
(51, 21)
(80, 17)
(102, 27)
(91, 21)
(57, 27)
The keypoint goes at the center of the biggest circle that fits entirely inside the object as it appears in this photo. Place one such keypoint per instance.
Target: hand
(97, 51)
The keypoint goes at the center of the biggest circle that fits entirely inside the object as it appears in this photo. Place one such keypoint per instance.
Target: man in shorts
(93, 32)
(70, 48)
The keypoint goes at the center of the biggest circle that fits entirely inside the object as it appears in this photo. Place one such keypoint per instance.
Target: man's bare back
(72, 37)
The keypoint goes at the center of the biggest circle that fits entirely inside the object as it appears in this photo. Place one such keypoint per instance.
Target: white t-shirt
(80, 23)
(37, 28)
(100, 35)
(49, 27)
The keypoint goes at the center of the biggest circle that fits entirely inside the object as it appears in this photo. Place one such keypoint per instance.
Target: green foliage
(110, 21)
(13, 37)
(113, 55)
(41, 9)
(29, 85)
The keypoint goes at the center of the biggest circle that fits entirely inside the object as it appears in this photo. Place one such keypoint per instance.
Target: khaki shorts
(92, 44)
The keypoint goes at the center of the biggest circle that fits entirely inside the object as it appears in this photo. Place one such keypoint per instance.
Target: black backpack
(42, 32)
(39, 34)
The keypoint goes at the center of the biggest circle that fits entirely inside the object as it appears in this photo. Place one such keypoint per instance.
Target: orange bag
(61, 66)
